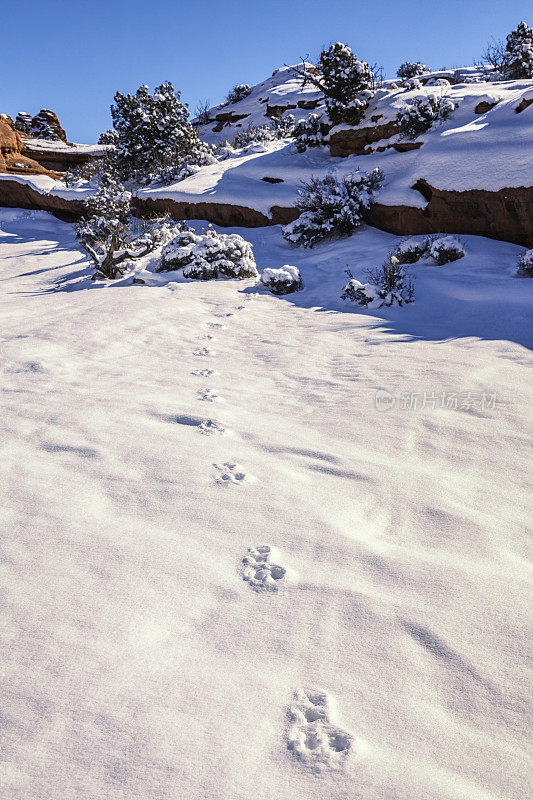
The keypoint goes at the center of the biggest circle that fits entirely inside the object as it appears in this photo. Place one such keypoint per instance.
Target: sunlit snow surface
(382, 653)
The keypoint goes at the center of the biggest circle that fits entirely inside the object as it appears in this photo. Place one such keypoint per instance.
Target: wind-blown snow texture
(138, 659)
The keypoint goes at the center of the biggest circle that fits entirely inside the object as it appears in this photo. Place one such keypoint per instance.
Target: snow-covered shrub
(107, 233)
(438, 82)
(389, 284)
(208, 255)
(392, 281)
(361, 293)
(282, 281)
(445, 249)
(517, 61)
(238, 93)
(525, 264)
(332, 206)
(410, 84)
(88, 175)
(410, 251)
(410, 69)
(155, 140)
(425, 110)
(307, 133)
(284, 126)
(254, 134)
(23, 122)
(109, 137)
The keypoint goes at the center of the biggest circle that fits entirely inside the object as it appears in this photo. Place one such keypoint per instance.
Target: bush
(411, 251)
(108, 234)
(282, 281)
(525, 264)
(410, 69)
(517, 61)
(254, 134)
(238, 93)
(307, 133)
(418, 117)
(445, 249)
(284, 126)
(208, 255)
(409, 84)
(155, 141)
(332, 207)
(389, 285)
(438, 82)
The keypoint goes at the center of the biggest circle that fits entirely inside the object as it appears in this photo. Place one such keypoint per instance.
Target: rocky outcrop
(223, 214)
(14, 194)
(58, 160)
(45, 125)
(506, 214)
(227, 119)
(357, 141)
(13, 158)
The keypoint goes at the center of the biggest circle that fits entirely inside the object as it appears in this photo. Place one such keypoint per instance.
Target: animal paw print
(211, 428)
(205, 337)
(203, 372)
(215, 325)
(312, 735)
(208, 395)
(229, 472)
(258, 570)
(202, 352)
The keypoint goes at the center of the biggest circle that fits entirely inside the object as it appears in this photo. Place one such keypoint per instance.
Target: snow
(58, 146)
(469, 151)
(137, 659)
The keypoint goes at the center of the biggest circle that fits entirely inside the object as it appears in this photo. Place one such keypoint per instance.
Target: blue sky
(72, 55)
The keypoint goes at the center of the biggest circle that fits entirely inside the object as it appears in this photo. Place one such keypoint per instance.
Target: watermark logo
(384, 400)
(451, 401)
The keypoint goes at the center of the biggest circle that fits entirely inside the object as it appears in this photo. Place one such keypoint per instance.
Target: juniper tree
(155, 140)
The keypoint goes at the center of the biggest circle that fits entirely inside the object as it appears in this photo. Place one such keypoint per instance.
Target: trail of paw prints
(207, 395)
(258, 570)
(229, 472)
(204, 373)
(202, 352)
(211, 427)
(313, 735)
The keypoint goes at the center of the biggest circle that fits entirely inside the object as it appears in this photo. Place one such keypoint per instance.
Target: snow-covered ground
(152, 434)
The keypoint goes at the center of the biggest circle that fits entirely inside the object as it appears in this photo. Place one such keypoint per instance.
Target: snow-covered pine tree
(106, 231)
(108, 137)
(345, 82)
(155, 140)
(517, 62)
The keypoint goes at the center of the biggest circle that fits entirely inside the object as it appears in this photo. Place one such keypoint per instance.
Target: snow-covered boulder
(282, 281)
(208, 255)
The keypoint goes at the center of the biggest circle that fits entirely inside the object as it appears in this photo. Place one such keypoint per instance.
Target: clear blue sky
(72, 55)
